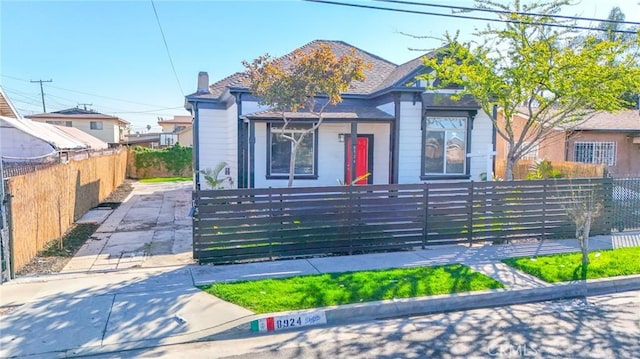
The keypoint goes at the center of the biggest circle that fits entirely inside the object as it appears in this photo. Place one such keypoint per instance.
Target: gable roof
(382, 74)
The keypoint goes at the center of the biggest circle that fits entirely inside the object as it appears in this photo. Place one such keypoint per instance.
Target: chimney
(203, 82)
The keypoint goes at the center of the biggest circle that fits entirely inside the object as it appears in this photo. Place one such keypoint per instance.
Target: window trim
(612, 144)
(98, 128)
(276, 126)
(467, 161)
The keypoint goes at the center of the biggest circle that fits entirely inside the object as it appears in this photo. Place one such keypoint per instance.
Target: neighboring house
(149, 140)
(6, 107)
(550, 147)
(171, 130)
(107, 128)
(403, 133)
(611, 139)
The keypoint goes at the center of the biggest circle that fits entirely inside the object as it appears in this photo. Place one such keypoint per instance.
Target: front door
(364, 159)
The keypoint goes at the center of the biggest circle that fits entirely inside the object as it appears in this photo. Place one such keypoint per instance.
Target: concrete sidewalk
(101, 303)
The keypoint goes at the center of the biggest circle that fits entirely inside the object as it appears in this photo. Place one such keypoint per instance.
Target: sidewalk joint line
(314, 267)
(106, 324)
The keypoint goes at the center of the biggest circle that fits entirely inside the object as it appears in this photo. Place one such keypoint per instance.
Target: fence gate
(626, 204)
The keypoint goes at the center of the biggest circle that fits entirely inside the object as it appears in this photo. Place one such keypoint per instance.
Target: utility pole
(85, 105)
(44, 109)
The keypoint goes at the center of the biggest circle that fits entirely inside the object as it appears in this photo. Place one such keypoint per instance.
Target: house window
(595, 152)
(95, 125)
(60, 123)
(279, 152)
(445, 146)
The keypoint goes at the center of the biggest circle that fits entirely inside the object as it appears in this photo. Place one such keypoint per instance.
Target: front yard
(568, 267)
(274, 295)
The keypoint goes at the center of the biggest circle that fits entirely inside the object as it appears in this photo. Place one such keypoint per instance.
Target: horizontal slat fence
(270, 223)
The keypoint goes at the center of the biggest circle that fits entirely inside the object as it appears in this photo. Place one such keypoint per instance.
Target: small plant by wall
(176, 160)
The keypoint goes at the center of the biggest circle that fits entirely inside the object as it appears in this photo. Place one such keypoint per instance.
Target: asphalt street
(605, 326)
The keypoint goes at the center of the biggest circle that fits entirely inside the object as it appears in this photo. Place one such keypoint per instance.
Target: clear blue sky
(111, 53)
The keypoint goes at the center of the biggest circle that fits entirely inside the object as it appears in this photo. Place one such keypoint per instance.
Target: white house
(107, 128)
(402, 133)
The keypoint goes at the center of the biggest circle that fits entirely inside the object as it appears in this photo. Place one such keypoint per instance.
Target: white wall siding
(215, 139)
(331, 155)
(231, 157)
(410, 142)
(481, 140)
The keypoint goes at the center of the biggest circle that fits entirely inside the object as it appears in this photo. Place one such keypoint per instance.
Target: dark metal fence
(258, 224)
(626, 204)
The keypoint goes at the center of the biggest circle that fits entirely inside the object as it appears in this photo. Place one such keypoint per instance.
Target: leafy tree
(308, 81)
(612, 30)
(554, 76)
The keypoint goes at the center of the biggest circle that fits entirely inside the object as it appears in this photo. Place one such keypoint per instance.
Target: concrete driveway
(151, 228)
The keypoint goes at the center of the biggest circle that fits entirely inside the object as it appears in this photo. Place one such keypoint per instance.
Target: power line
(86, 93)
(167, 47)
(495, 11)
(467, 16)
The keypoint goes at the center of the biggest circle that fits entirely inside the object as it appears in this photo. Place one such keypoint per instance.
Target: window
(95, 125)
(595, 152)
(279, 153)
(60, 123)
(445, 146)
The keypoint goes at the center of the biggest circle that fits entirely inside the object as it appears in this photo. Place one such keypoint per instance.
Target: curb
(353, 313)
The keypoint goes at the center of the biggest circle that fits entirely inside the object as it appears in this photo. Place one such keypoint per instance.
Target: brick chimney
(203, 82)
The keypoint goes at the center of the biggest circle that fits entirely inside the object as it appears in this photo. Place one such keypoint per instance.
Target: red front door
(364, 157)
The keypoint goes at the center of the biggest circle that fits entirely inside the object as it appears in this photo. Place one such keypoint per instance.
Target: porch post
(354, 146)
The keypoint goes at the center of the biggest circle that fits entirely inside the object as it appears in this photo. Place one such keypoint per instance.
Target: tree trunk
(584, 241)
(292, 163)
(508, 172)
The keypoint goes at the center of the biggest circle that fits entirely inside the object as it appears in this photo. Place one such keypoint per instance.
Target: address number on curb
(281, 322)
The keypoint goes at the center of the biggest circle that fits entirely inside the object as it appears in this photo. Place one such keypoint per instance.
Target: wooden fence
(257, 224)
(44, 204)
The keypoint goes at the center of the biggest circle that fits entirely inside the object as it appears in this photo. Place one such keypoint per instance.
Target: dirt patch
(59, 252)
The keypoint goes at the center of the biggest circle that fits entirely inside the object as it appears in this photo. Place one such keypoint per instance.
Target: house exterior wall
(216, 140)
(627, 162)
(551, 147)
(185, 138)
(110, 132)
(331, 155)
(410, 142)
(481, 144)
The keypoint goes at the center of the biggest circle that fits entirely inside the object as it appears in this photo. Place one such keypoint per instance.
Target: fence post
(607, 188)
(544, 210)
(425, 235)
(470, 216)
(271, 221)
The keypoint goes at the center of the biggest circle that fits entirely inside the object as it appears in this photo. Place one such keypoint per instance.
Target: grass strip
(568, 267)
(312, 291)
(165, 179)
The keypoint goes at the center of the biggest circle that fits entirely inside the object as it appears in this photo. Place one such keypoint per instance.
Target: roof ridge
(349, 45)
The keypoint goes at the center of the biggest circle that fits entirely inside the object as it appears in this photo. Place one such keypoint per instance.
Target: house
(611, 139)
(149, 140)
(107, 128)
(403, 134)
(176, 130)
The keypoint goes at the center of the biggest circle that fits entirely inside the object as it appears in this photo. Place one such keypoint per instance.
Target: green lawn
(165, 179)
(567, 267)
(274, 295)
